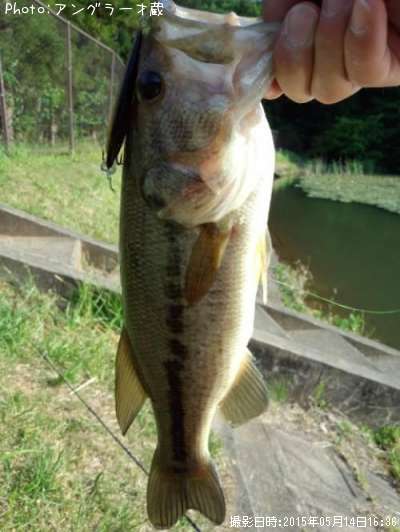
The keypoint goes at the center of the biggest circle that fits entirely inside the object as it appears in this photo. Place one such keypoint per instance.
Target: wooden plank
(3, 110)
(70, 89)
(111, 93)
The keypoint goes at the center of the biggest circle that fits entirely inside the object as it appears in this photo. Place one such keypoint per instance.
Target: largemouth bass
(197, 181)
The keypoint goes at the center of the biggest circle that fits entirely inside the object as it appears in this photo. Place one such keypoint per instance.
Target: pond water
(352, 251)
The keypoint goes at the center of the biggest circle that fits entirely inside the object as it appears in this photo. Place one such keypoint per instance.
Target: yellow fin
(170, 494)
(129, 393)
(264, 248)
(248, 396)
(205, 261)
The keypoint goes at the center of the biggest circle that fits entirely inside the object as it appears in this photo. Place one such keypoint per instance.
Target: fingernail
(330, 8)
(300, 26)
(360, 19)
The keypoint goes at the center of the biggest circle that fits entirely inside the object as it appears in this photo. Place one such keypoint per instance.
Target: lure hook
(108, 171)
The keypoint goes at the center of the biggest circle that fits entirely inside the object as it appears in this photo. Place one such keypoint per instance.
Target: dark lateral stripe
(174, 369)
(173, 266)
(174, 319)
(178, 349)
(173, 291)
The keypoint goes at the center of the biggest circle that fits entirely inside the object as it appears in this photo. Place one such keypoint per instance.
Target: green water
(353, 252)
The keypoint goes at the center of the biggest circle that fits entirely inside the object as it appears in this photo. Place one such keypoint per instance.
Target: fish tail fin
(171, 494)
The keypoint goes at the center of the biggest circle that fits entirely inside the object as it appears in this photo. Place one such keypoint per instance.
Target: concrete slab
(263, 320)
(57, 258)
(292, 475)
(53, 251)
(357, 374)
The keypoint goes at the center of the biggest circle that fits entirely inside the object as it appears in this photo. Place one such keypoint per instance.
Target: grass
(348, 182)
(58, 467)
(388, 439)
(319, 396)
(57, 186)
(279, 389)
(293, 282)
(288, 164)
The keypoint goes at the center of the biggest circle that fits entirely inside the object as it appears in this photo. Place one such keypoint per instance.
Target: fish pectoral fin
(170, 494)
(264, 247)
(129, 393)
(248, 396)
(205, 261)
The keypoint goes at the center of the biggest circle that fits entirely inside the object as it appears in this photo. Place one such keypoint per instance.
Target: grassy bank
(68, 190)
(348, 182)
(293, 285)
(379, 191)
(58, 467)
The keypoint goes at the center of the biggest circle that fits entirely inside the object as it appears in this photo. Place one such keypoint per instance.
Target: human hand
(330, 53)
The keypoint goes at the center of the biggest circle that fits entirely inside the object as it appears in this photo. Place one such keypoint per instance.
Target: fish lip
(196, 189)
(169, 187)
(152, 199)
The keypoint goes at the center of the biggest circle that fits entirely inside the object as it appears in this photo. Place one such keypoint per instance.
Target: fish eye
(149, 85)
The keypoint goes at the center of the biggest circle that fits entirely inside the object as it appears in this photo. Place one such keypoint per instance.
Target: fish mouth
(175, 192)
(242, 46)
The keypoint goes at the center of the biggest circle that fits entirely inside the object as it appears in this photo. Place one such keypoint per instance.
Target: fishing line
(104, 425)
(340, 305)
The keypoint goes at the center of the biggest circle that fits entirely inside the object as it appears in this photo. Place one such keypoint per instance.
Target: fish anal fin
(205, 261)
(170, 494)
(129, 393)
(248, 396)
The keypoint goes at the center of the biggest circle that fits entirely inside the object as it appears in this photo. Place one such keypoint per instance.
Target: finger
(293, 56)
(367, 55)
(274, 91)
(330, 83)
(275, 10)
(393, 9)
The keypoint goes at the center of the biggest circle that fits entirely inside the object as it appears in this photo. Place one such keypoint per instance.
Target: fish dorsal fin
(129, 393)
(248, 396)
(205, 261)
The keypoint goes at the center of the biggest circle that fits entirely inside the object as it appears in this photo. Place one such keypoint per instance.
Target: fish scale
(197, 182)
(211, 364)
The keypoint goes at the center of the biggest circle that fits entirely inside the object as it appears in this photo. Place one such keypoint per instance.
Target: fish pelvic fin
(170, 494)
(248, 396)
(205, 261)
(129, 393)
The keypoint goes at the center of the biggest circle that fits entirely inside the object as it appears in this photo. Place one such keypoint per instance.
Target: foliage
(293, 281)
(279, 388)
(388, 439)
(115, 30)
(246, 8)
(364, 127)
